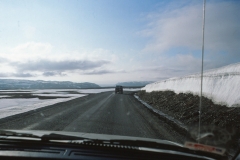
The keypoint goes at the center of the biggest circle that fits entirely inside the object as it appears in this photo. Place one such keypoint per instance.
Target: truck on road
(119, 89)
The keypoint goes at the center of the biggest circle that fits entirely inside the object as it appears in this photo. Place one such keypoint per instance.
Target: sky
(111, 41)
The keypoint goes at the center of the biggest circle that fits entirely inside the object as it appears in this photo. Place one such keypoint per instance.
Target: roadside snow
(14, 106)
(131, 89)
(221, 85)
(57, 95)
(4, 96)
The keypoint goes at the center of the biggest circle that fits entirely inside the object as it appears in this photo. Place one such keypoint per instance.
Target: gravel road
(104, 113)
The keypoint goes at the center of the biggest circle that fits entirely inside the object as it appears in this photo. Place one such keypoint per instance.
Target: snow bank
(221, 85)
(11, 107)
(14, 106)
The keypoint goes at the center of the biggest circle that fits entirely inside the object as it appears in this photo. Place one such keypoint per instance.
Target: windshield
(129, 68)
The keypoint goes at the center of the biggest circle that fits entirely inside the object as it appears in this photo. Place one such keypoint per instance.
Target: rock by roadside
(185, 108)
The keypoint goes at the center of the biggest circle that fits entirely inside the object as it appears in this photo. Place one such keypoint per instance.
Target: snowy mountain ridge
(220, 84)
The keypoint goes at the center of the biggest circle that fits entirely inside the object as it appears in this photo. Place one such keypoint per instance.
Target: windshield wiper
(5, 134)
(48, 136)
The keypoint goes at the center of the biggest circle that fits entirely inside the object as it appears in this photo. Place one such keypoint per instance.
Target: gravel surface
(223, 121)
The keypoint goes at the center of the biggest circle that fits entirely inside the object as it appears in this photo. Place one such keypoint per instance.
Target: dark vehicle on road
(119, 89)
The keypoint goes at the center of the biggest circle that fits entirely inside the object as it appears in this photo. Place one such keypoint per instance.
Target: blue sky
(108, 41)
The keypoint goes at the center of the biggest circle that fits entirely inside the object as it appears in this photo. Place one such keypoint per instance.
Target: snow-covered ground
(14, 106)
(11, 107)
(221, 85)
(131, 89)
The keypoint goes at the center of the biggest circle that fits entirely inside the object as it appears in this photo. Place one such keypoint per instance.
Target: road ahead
(106, 113)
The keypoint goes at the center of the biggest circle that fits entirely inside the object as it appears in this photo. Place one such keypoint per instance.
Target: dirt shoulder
(185, 108)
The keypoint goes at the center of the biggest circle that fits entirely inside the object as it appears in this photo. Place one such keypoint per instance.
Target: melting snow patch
(11, 107)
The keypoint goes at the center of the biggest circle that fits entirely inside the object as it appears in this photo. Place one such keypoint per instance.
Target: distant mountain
(134, 83)
(39, 84)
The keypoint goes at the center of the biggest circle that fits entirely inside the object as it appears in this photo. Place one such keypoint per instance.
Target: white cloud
(42, 59)
(32, 48)
(173, 66)
(28, 51)
(175, 34)
(185, 62)
(95, 54)
(182, 27)
(32, 51)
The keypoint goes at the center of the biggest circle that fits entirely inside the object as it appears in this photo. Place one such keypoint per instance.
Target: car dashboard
(15, 149)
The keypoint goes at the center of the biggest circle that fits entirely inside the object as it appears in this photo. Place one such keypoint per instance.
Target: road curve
(104, 113)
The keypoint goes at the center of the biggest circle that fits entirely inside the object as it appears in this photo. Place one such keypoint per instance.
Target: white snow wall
(222, 85)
